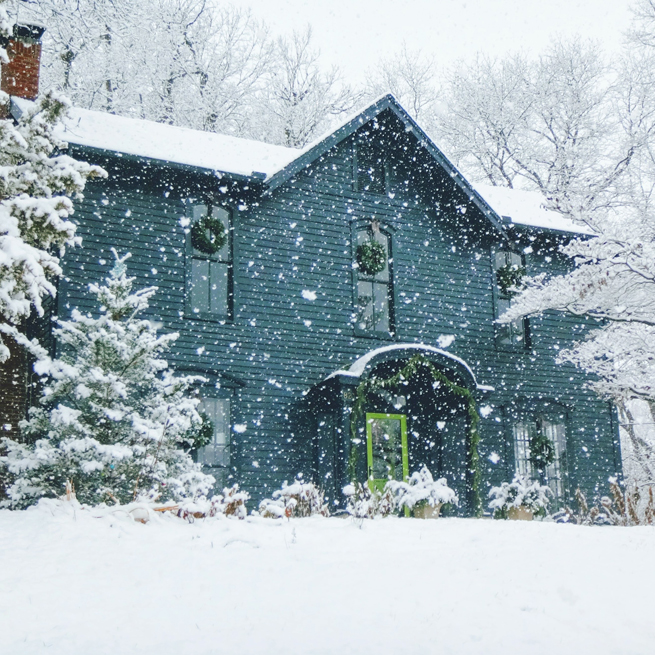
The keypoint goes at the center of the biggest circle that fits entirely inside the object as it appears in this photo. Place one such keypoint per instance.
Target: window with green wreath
(215, 455)
(509, 269)
(209, 263)
(540, 448)
(373, 283)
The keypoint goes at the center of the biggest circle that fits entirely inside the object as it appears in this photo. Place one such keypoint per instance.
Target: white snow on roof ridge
(343, 122)
(358, 367)
(527, 208)
(180, 145)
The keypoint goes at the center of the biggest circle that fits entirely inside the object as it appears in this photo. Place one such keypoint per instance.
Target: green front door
(386, 447)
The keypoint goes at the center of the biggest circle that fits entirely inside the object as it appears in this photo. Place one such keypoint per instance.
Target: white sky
(355, 34)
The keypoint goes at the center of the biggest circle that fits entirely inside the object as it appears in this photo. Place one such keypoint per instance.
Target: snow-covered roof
(527, 208)
(359, 365)
(179, 145)
(237, 156)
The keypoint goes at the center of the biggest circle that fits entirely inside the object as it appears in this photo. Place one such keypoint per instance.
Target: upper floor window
(209, 263)
(509, 269)
(373, 284)
(528, 431)
(372, 171)
(216, 454)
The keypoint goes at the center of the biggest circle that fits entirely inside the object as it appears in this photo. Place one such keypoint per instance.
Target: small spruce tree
(112, 419)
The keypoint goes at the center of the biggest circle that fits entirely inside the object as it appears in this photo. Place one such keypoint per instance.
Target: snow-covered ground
(71, 583)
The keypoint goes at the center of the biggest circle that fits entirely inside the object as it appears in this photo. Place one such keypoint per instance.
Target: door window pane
(387, 448)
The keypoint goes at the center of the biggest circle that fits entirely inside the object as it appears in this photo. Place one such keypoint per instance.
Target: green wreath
(510, 276)
(542, 451)
(371, 257)
(217, 238)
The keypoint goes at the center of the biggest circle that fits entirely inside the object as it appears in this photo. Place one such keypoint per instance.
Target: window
(553, 427)
(386, 447)
(209, 275)
(509, 268)
(371, 168)
(373, 290)
(216, 454)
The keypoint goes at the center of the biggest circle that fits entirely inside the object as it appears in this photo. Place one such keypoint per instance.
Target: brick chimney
(20, 77)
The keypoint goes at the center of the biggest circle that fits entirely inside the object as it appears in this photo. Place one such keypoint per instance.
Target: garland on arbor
(418, 361)
(217, 238)
(371, 257)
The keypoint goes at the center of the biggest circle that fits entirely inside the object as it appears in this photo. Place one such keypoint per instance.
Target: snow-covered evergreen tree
(113, 419)
(36, 187)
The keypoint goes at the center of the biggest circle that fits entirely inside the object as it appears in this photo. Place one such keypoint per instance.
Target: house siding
(279, 345)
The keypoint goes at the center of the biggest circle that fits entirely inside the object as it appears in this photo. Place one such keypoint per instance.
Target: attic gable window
(371, 168)
(209, 272)
(508, 269)
(374, 288)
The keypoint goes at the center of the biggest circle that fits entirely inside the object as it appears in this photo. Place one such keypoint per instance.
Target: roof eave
(549, 231)
(253, 178)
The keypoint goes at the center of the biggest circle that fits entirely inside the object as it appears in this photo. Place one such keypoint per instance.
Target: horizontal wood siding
(280, 344)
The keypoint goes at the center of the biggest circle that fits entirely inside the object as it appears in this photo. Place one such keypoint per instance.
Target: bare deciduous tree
(410, 76)
(302, 97)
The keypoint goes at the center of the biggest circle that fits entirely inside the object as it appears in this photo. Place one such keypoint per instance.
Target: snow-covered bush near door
(521, 492)
(362, 503)
(231, 503)
(112, 418)
(295, 500)
(422, 489)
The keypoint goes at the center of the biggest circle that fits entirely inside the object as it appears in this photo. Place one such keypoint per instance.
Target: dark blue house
(346, 326)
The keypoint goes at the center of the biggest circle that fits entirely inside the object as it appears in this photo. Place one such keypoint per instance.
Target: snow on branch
(36, 187)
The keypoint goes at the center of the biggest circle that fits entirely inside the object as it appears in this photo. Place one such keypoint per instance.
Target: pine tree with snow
(36, 187)
(113, 419)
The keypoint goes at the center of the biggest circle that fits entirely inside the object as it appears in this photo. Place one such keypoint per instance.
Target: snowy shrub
(626, 507)
(36, 186)
(521, 492)
(112, 419)
(362, 503)
(231, 503)
(299, 499)
(421, 489)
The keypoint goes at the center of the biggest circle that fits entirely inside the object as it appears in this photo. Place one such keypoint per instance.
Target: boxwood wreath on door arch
(416, 363)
